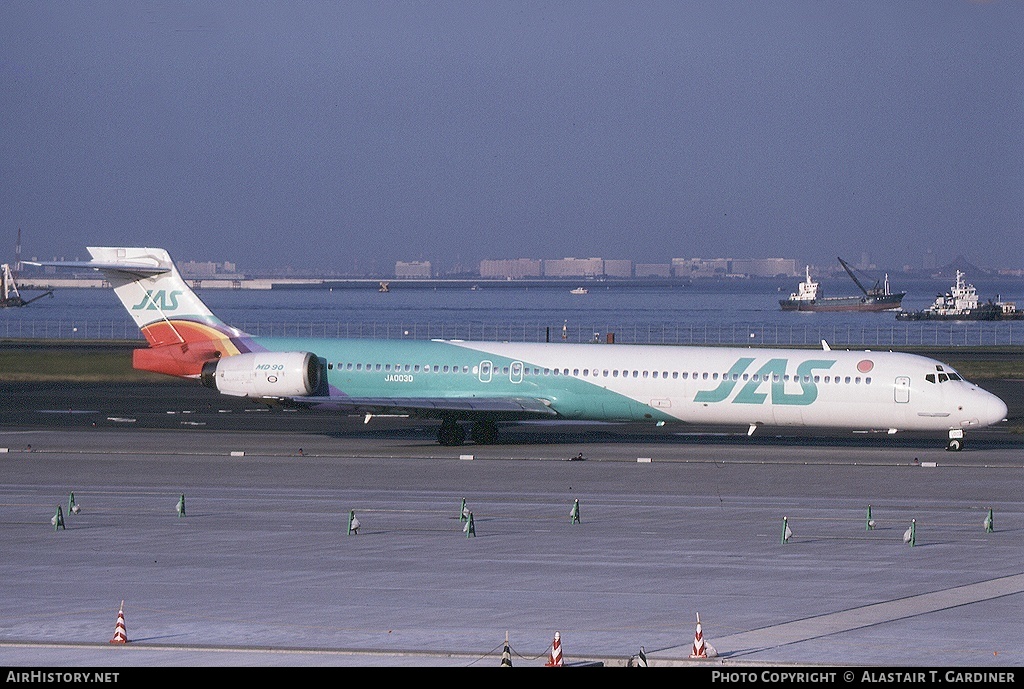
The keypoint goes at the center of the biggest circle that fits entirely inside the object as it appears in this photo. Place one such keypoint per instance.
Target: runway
(261, 570)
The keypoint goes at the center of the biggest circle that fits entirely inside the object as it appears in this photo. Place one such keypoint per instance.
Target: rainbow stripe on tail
(182, 332)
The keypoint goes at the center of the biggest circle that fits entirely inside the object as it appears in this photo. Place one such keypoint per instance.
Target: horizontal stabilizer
(133, 269)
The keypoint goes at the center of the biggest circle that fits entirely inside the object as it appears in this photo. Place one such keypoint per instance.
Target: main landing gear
(451, 433)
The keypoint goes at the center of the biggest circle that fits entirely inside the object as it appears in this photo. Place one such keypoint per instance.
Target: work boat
(809, 297)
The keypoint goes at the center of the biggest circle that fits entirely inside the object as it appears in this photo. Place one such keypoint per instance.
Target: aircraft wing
(492, 407)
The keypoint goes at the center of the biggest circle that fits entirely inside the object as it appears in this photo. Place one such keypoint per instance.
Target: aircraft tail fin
(182, 332)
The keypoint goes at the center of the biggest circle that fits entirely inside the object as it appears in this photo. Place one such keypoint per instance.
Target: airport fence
(909, 334)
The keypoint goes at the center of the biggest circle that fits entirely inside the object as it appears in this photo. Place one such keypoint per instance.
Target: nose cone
(991, 409)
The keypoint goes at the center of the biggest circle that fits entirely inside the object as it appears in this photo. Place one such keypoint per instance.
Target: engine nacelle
(264, 374)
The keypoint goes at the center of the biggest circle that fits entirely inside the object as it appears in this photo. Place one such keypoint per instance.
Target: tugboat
(807, 298)
(9, 294)
(961, 303)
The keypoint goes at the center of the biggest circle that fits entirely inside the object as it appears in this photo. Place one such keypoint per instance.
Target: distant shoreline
(836, 284)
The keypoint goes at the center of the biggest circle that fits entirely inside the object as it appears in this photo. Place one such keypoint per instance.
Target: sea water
(700, 312)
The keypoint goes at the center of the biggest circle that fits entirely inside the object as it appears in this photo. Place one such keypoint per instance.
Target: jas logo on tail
(159, 300)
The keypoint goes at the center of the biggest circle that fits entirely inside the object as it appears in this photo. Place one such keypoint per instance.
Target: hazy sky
(347, 135)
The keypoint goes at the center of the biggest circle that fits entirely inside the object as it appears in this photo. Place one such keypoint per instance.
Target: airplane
(485, 383)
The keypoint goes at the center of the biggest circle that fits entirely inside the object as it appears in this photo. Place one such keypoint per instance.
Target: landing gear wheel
(484, 433)
(451, 434)
(955, 445)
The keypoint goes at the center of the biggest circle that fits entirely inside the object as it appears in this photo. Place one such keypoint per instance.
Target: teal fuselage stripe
(397, 376)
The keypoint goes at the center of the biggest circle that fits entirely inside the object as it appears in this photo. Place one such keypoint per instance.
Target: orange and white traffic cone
(555, 656)
(120, 635)
(698, 642)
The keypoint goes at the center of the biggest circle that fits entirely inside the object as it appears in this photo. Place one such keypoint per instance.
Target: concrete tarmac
(261, 570)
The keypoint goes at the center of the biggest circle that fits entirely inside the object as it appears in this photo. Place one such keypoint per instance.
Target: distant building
(573, 267)
(700, 267)
(208, 269)
(413, 269)
(618, 268)
(653, 270)
(733, 267)
(513, 269)
(764, 267)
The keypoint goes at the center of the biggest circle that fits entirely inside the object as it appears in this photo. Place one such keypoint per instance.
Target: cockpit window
(942, 377)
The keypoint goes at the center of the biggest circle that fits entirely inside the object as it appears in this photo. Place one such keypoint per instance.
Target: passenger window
(867, 381)
(636, 374)
(847, 379)
(330, 366)
(684, 375)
